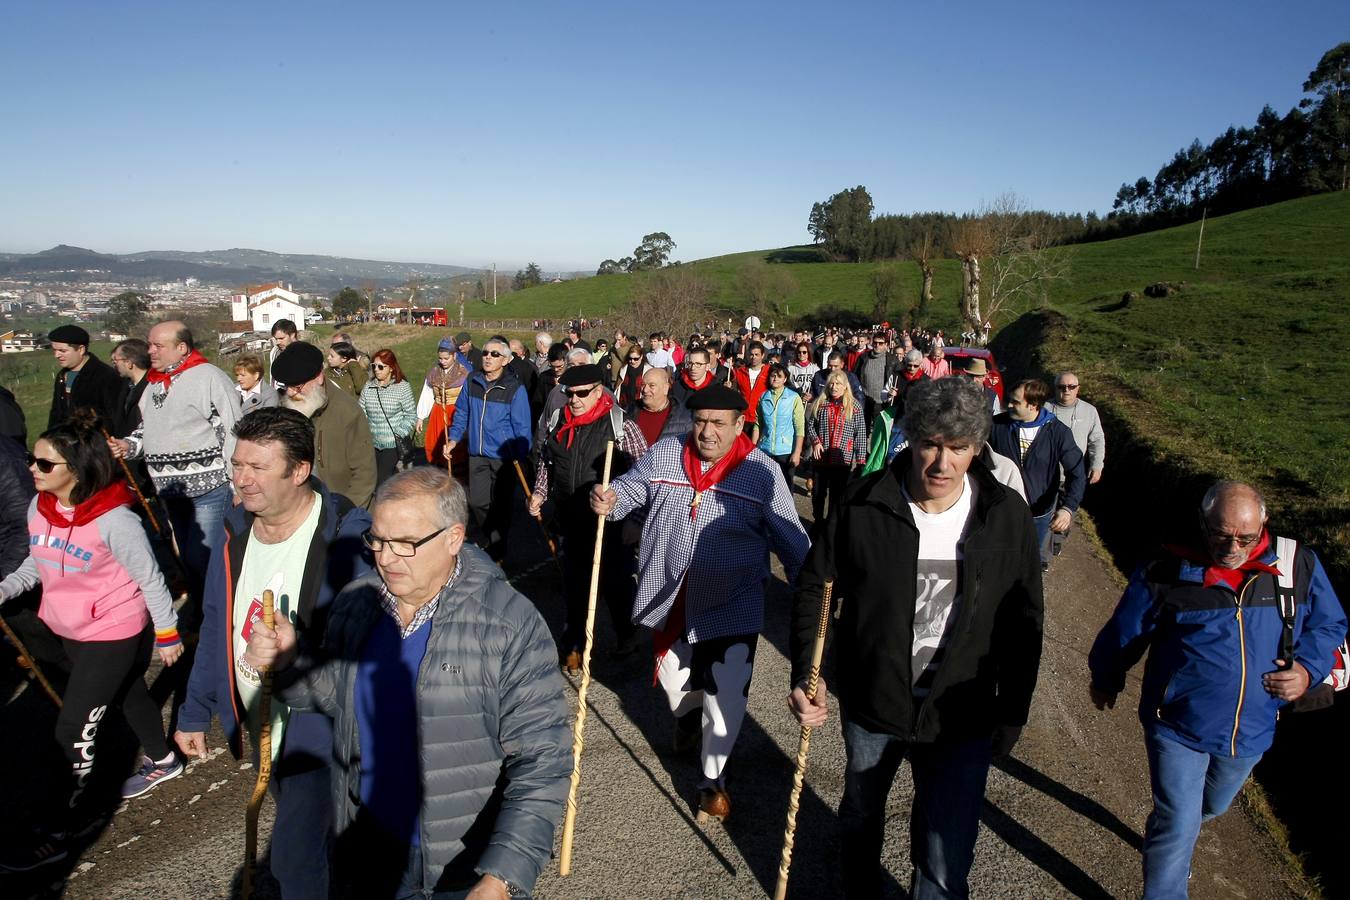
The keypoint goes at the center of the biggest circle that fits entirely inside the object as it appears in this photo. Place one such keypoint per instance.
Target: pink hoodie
(100, 581)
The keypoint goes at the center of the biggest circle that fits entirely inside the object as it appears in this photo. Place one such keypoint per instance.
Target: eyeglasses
(398, 548)
(1066, 387)
(803, 352)
(580, 392)
(913, 365)
(495, 354)
(45, 466)
(1242, 540)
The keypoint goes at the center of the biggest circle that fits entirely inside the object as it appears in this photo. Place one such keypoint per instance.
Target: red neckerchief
(917, 374)
(699, 480)
(1231, 577)
(707, 377)
(572, 422)
(114, 495)
(194, 358)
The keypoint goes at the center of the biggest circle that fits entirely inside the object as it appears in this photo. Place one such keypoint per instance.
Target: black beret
(716, 397)
(69, 334)
(581, 375)
(298, 363)
(462, 338)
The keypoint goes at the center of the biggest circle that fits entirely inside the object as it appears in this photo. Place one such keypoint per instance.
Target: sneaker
(46, 847)
(151, 774)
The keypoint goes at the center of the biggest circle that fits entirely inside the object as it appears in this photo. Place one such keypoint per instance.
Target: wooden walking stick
(579, 728)
(30, 662)
(264, 764)
(803, 746)
(552, 547)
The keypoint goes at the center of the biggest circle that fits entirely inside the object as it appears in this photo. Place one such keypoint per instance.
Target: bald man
(186, 437)
(655, 412)
(1237, 626)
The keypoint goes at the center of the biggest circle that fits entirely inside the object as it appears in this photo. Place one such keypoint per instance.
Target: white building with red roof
(266, 304)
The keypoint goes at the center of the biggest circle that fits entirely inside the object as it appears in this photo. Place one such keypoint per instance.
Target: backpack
(1321, 695)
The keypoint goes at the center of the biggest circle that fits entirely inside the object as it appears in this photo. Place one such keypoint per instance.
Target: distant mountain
(223, 267)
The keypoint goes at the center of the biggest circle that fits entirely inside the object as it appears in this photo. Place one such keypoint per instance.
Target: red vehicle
(429, 315)
(959, 357)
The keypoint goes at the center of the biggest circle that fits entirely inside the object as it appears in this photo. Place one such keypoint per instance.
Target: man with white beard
(344, 453)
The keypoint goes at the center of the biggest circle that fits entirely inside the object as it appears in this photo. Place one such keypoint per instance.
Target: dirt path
(1063, 817)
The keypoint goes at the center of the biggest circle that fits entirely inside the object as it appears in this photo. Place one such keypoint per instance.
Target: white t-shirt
(1025, 436)
(279, 568)
(938, 595)
(660, 358)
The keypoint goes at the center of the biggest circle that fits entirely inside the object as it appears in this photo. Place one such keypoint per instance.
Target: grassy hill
(846, 285)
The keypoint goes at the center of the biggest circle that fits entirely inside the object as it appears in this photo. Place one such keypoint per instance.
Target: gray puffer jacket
(494, 727)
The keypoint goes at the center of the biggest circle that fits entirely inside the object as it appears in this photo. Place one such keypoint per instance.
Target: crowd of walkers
(420, 710)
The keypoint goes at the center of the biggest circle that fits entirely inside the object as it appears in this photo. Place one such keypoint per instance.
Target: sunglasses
(635, 359)
(1066, 387)
(381, 366)
(580, 392)
(495, 354)
(45, 466)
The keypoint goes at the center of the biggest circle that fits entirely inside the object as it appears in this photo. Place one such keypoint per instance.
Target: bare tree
(768, 288)
(922, 251)
(669, 299)
(1019, 257)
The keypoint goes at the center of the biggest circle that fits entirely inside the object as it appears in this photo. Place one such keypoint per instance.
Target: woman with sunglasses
(629, 382)
(388, 404)
(104, 597)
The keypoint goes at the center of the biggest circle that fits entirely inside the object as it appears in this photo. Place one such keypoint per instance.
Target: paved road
(1063, 816)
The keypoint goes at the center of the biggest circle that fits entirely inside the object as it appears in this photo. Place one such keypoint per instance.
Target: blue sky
(563, 132)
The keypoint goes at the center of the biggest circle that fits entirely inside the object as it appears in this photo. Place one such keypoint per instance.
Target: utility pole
(494, 284)
(1201, 238)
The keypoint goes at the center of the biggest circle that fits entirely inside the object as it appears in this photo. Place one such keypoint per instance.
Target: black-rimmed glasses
(398, 548)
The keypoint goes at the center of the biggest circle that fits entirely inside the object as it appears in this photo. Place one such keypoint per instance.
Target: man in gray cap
(84, 380)
(344, 452)
(715, 505)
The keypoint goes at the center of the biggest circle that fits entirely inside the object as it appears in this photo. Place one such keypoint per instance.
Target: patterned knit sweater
(187, 431)
(390, 411)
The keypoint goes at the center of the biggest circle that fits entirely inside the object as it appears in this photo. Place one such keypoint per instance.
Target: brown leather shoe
(713, 803)
(571, 662)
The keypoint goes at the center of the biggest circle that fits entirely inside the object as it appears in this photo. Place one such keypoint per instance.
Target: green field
(1242, 370)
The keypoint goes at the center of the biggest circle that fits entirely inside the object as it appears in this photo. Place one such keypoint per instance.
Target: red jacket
(751, 392)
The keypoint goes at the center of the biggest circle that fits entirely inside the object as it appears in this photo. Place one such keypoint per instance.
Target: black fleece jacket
(869, 548)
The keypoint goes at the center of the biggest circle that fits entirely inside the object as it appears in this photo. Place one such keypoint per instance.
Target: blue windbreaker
(495, 417)
(1211, 645)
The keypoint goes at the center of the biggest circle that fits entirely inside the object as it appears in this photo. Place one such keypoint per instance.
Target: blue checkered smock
(724, 552)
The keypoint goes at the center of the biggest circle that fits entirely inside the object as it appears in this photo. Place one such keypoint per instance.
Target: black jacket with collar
(97, 386)
(869, 548)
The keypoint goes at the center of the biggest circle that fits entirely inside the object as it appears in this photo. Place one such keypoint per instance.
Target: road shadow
(1083, 805)
(1047, 858)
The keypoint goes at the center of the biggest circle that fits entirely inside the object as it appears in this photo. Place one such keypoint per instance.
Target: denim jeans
(302, 834)
(198, 523)
(1189, 787)
(1042, 524)
(949, 780)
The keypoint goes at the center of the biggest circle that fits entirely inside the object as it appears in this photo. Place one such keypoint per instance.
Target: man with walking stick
(938, 639)
(715, 506)
(450, 728)
(571, 460)
(292, 536)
